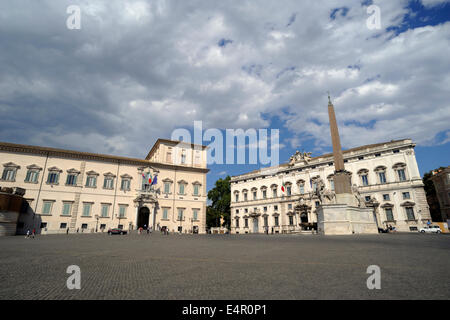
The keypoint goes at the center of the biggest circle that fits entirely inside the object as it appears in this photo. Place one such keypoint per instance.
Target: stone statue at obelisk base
(348, 214)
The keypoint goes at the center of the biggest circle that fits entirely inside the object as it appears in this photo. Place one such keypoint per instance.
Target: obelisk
(345, 215)
(342, 183)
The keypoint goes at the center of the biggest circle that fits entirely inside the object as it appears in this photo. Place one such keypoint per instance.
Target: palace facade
(385, 174)
(72, 191)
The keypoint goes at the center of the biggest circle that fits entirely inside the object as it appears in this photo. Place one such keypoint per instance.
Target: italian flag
(283, 188)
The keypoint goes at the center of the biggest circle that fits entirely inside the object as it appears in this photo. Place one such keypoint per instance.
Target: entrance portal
(255, 225)
(143, 217)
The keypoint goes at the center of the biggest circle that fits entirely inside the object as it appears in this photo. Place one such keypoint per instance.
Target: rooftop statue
(300, 157)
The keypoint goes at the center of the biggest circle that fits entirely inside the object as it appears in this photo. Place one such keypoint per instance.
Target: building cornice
(327, 159)
(47, 151)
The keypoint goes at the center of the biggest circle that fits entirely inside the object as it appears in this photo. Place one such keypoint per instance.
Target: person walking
(33, 233)
(67, 231)
(28, 234)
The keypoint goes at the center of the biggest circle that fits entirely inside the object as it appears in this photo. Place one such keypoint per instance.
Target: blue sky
(137, 70)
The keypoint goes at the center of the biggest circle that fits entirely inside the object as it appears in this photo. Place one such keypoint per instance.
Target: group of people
(31, 234)
(148, 229)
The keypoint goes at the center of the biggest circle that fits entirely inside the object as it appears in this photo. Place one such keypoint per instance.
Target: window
(401, 175)
(274, 193)
(264, 194)
(364, 180)
(71, 179)
(237, 223)
(245, 197)
(167, 187)
(254, 195)
(275, 207)
(87, 209)
(63, 226)
(377, 154)
(43, 225)
(302, 188)
(331, 184)
(180, 214)
(410, 213)
(9, 172)
(169, 157)
(122, 211)
(195, 214)
(84, 226)
(53, 177)
(389, 214)
(125, 184)
(265, 209)
(406, 195)
(276, 222)
(381, 173)
(386, 197)
(266, 221)
(108, 182)
(102, 226)
(291, 220)
(47, 207)
(196, 189)
(237, 197)
(32, 176)
(105, 210)
(67, 208)
(290, 206)
(246, 210)
(400, 169)
(246, 222)
(382, 177)
(367, 198)
(165, 213)
(91, 181)
(395, 151)
(181, 188)
(364, 177)
(237, 211)
(183, 156)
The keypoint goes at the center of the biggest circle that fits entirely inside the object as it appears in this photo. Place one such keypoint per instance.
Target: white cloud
(137, 70)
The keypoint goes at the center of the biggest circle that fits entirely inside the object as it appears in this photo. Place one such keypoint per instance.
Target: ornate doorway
(143, 217)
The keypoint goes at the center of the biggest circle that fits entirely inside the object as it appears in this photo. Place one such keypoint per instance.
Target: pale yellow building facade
(71, 191)
(385, 174)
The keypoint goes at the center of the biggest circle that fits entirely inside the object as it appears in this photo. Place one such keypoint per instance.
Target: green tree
(220, 197)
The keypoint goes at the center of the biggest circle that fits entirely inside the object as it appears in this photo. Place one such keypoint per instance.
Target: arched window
(245, 194)
(274, 188)
(364, 177)
(400, 170)
(301, 186)
(264, 192)
(381, 174)
(236, 195)
(330, 179)
(33, 173)
(254, 193)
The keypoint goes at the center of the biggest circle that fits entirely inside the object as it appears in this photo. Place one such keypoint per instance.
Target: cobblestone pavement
(413, 266)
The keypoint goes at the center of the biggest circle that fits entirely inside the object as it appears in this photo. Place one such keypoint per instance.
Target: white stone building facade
(386, 174)
(71, 191)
